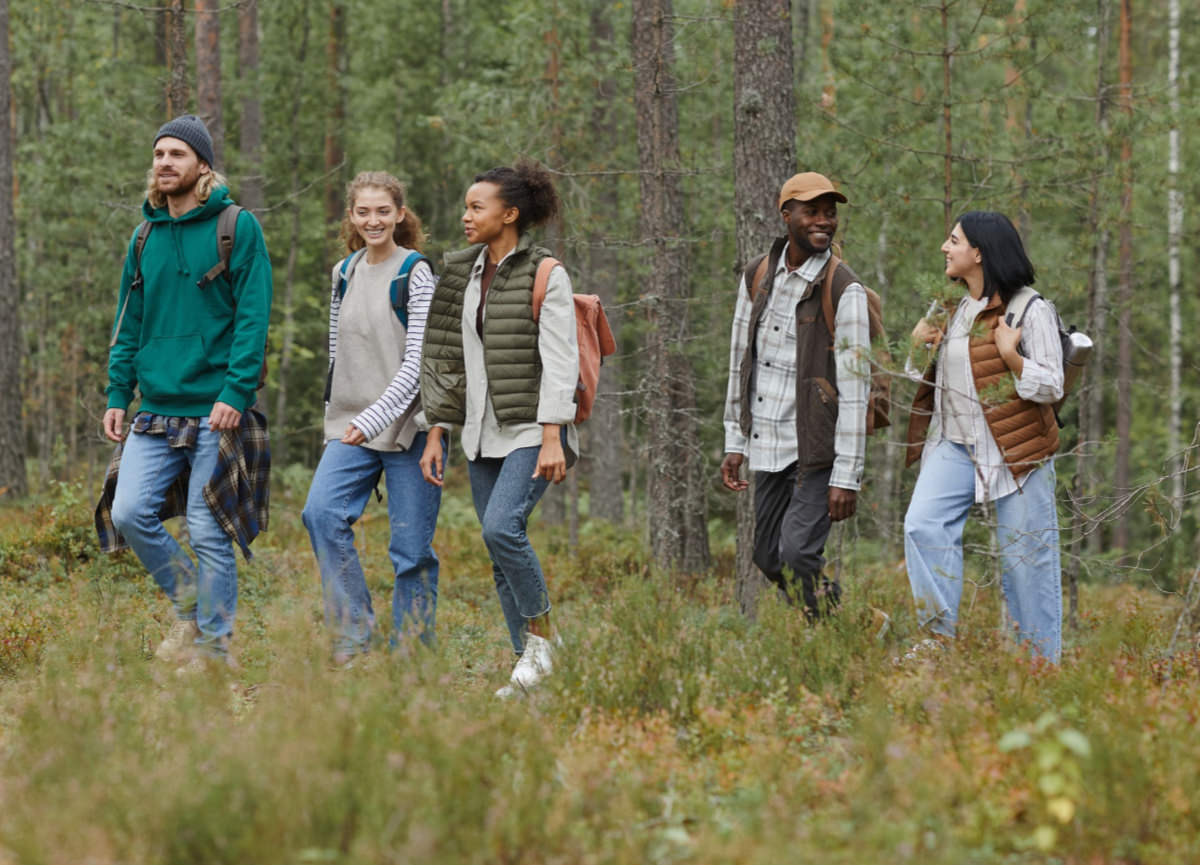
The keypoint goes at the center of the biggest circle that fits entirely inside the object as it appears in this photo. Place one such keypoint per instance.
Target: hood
(218, 200)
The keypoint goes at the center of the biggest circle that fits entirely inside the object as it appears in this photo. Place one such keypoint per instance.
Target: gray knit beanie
(190, 129)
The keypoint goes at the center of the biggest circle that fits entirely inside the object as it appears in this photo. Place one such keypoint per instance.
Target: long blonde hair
(408, 232)
(204, 187)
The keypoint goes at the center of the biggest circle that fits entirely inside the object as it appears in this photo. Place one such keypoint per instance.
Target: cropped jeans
(207, 590)
(341, 486)
(1027, 532)
(505, 493)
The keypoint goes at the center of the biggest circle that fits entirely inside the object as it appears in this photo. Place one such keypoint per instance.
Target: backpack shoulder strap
(139, 244)
(753, 275)
(1019, 305)
(398, 290)
(347, 270)
(226, 234)
(838, 276)
(540, 282)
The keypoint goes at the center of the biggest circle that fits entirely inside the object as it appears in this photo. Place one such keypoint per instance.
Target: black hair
(1006, 267)
(529, 188)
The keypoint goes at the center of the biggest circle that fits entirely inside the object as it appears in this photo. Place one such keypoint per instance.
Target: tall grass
(674, 729)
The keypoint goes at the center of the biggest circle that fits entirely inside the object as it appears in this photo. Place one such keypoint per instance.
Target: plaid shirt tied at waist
(238, 493)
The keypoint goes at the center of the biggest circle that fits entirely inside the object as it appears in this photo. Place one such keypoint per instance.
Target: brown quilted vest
(1026, 431)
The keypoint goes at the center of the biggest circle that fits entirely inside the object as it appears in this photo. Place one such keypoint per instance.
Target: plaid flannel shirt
(774, 446)
(238, 493)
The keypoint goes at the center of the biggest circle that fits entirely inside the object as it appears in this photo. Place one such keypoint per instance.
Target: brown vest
(816, 366)
(1026, 431)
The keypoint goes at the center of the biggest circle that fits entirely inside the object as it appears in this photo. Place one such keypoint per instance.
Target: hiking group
(499, 349)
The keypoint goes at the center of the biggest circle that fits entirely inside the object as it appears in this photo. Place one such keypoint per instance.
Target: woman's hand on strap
(552, 462)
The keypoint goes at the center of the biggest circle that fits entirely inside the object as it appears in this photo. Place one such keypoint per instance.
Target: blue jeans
(340, 489)
(207, 591)
(505, 493)
(1027, 532)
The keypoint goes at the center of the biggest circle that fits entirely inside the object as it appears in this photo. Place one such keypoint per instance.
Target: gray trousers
(791, 524)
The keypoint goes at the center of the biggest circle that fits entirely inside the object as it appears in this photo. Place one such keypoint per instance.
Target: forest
(696, 719)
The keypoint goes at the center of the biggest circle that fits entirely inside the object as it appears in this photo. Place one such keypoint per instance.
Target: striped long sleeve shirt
(399, 395)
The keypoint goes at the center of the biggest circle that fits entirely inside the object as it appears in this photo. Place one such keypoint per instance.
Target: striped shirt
(773, 446)
(398, 396)
(1041, 380)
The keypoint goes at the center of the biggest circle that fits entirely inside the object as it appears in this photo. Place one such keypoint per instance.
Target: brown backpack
(879, 399)
(593, 336)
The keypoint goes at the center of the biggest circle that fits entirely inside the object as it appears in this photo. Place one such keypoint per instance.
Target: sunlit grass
(674, 730)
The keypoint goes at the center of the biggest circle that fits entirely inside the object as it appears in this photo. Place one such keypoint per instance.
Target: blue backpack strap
(347, 270)
(398, 291)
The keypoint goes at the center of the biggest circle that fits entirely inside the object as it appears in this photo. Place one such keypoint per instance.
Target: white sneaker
(534, 665)
(178, 642)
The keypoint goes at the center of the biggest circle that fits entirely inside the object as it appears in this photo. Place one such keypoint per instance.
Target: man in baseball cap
(796, 404)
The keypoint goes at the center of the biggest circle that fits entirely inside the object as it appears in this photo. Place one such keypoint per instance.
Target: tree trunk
(947, 127)
(208, 74)
(605, 430)
(764, 155)
(12, 442)
(252, 193)
(676, 486)
(334, 153)
(281, 441)
(1125, 288)
(178, 94)
(1174, 234)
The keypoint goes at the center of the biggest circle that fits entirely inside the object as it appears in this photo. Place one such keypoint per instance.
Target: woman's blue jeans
(1027, 532)
(341, 486)
(206, 591)
(505, 493)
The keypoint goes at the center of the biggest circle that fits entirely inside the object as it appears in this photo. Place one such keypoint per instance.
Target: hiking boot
(534, 665)
(880, 624)
(178, 642)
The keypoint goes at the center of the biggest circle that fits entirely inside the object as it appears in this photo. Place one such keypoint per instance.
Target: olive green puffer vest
(510, 339)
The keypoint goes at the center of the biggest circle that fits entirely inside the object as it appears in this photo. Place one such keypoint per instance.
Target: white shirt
(482, 434)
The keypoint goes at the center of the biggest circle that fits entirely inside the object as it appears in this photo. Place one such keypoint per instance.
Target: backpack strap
(827, 293)
(226, 234)
(347, 270)
(540, 282)
(398, 290)
(139, 244)
(1019, 305)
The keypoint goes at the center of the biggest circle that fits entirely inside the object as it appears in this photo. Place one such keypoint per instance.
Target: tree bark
(13, 483)
(178, 93)
(1125, 287)
(605, 429)
(947, 125)
(764, 155)
(1174, 235)
(208, 74)
(334, 152)
(676, 484)
(252, 193)
(281, 441)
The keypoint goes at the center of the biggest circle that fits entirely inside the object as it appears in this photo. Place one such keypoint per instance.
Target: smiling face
(176, 167)
(486, 216)
(963, 261)
(811, 224)
(375, 216)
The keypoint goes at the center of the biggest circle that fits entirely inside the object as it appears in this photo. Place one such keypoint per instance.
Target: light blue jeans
(1027, 533)
(340, 489)
(505, 493)
(207, 591)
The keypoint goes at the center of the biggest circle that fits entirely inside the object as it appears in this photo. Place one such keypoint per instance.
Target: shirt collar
(807, 271)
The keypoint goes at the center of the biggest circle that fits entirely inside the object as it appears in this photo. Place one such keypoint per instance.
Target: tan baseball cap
(806, 187)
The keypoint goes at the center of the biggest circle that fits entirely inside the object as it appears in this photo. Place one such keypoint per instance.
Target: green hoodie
(185, 347)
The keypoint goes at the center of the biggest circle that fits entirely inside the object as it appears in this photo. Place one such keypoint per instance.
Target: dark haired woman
(983, 426)
(373, 420)
(508, 381)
